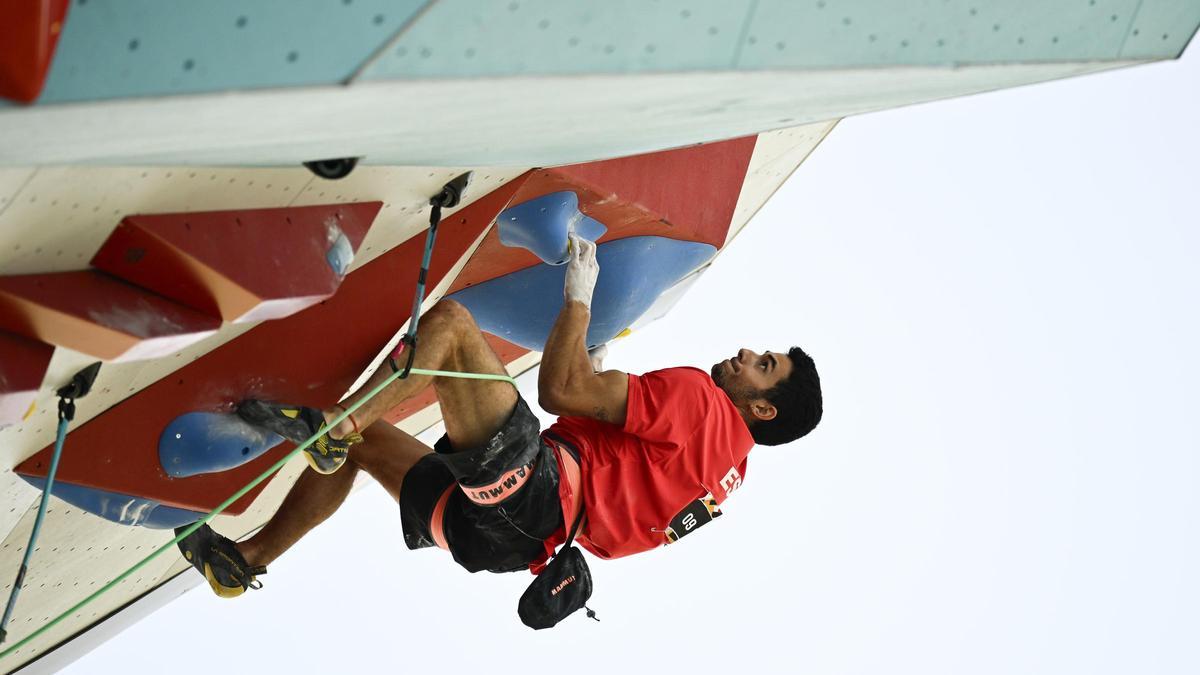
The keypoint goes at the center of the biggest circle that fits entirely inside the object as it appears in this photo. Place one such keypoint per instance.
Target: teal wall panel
(1161, 25)
(840, 33)
(128, 48)
(131, 48)
(480, 38)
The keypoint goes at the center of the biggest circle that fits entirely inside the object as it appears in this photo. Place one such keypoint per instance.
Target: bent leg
(447, 339)
(387, 454)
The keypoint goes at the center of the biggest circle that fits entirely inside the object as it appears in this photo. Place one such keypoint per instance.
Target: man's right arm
(567, 384)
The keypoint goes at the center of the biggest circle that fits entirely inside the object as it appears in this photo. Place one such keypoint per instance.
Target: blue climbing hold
(207, 442)
(340, 253)
(521, 307)
(541, 225)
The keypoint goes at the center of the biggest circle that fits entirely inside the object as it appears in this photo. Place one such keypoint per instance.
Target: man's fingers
(574, 249)
(581, 251)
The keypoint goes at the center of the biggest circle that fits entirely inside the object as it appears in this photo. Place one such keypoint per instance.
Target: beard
(737, 394)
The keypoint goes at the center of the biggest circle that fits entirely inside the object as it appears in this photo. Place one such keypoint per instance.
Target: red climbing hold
(23, 364)
(98, 315)
(29, 31)
(245, 265)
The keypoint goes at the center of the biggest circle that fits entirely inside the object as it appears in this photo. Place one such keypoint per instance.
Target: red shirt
(683, 440)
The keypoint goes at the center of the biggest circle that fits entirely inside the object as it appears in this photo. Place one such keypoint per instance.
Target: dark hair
(797, 400)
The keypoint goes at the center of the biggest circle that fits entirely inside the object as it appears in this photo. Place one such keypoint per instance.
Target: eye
(763, 365)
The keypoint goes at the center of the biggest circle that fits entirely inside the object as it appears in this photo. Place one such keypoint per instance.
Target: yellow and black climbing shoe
(218, 559)
(298, 424)
(327, 455)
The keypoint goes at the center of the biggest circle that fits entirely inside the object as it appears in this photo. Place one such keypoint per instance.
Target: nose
(744, 355)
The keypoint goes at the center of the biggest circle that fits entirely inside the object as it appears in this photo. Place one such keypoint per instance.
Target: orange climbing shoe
(218, 559)
(298, 424)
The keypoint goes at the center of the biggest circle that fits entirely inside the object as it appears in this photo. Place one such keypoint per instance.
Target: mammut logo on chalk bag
(563, 584)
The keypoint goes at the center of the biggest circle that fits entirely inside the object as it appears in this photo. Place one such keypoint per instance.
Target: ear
(762, 410)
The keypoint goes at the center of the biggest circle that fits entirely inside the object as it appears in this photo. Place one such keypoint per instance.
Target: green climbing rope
(240, 493)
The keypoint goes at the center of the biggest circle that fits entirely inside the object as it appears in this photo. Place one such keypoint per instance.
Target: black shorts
(495, 503)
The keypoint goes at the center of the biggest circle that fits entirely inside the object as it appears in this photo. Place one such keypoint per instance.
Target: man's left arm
(567, 384)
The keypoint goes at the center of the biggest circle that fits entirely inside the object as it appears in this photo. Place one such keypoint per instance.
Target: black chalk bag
(560, 590)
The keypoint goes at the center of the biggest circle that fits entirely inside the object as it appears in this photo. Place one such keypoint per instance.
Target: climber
(638, 453)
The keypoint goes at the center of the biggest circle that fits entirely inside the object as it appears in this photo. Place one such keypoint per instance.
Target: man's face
(748, 375)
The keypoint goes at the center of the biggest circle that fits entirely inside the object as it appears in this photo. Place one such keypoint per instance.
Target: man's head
(779, 395)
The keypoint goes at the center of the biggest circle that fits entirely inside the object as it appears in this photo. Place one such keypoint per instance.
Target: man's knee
(449, 315)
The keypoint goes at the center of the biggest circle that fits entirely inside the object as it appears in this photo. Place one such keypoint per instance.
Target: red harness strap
(568, 471)
(436, 521)
(570, 484)
(569, 474)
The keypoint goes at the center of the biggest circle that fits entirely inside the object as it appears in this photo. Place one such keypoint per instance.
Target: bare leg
(448, 339)
(312, 499)
(386, 453)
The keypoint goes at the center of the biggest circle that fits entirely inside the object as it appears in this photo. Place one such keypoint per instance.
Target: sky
(1000, 295)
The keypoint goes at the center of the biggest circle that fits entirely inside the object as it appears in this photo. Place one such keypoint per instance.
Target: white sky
(1000, 294)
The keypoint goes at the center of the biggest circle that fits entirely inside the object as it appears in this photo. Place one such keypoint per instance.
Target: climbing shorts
(491, 506)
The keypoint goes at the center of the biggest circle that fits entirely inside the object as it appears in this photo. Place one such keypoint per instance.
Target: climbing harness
(78, 387)
(450, 196)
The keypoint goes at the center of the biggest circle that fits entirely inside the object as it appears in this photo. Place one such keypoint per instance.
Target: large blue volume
(120, 508)
(521, 307)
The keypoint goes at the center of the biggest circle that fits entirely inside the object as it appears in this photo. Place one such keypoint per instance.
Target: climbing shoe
(298, 424)
(219, 561)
